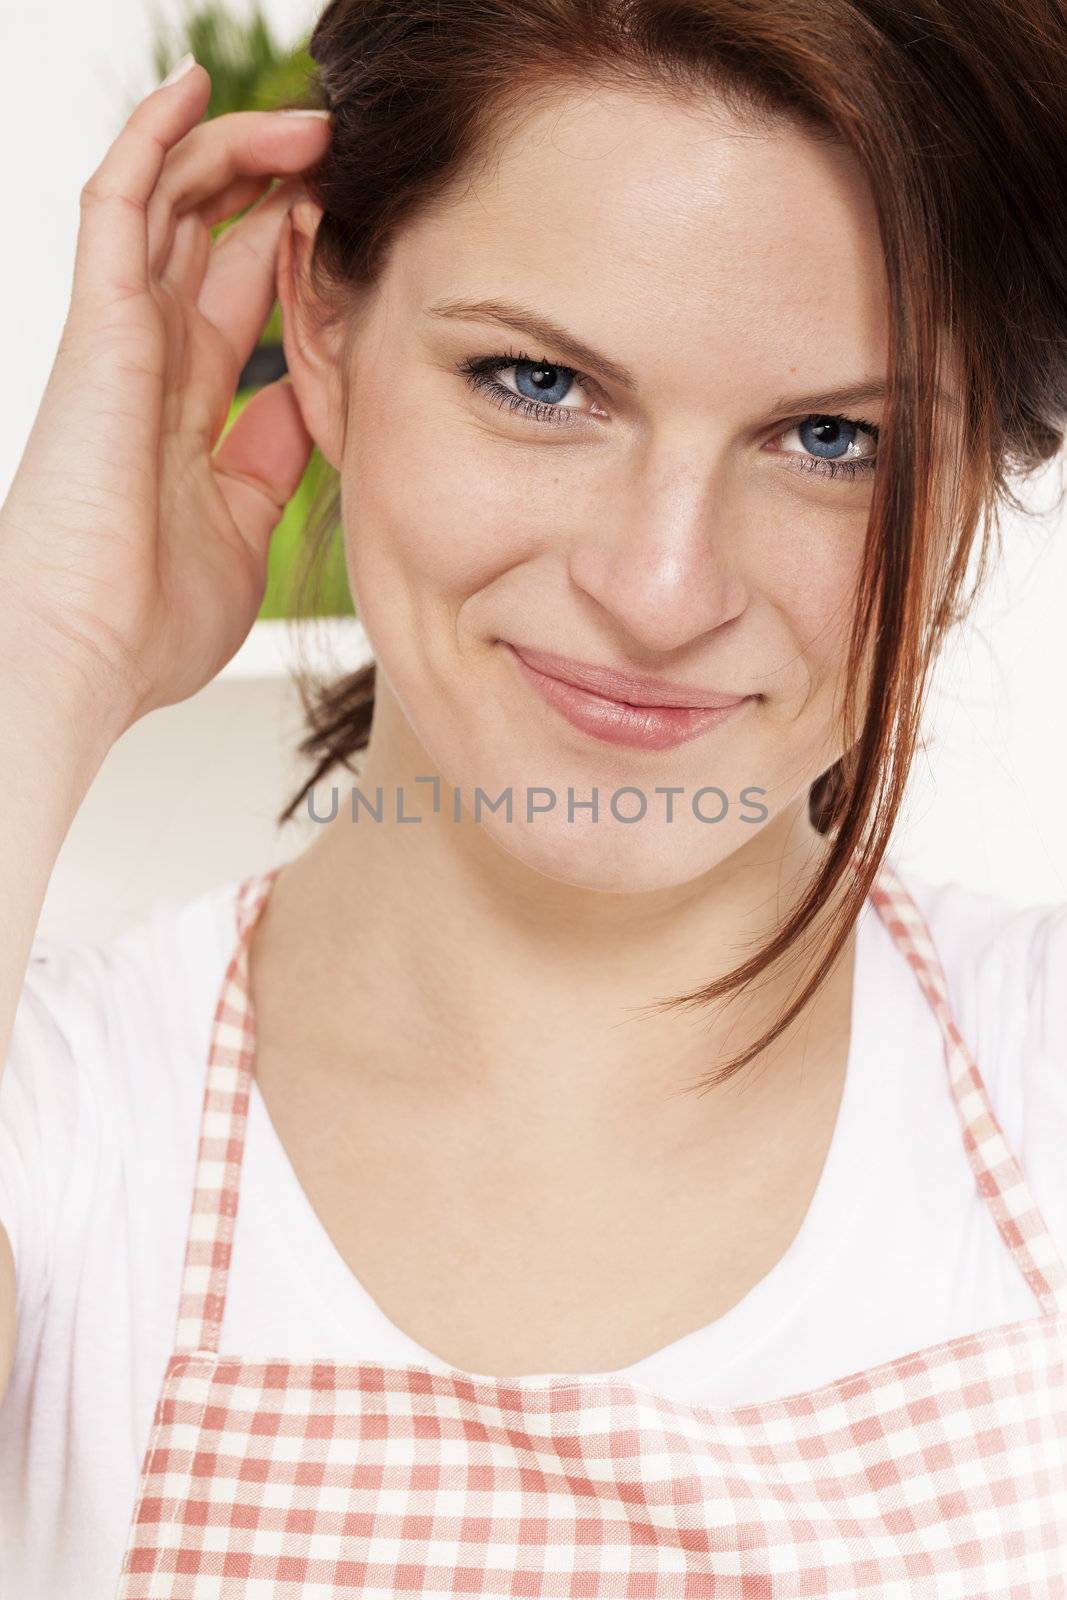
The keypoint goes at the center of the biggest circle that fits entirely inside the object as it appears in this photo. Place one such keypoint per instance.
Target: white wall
(187, 797)
(72, 71)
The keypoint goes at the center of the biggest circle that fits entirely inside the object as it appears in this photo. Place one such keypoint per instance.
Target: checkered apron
(941, 1473)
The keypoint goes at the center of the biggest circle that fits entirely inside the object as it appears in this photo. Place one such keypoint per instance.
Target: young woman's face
(672, 503)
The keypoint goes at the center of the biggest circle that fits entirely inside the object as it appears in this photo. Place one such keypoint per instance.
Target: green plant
(250, 71)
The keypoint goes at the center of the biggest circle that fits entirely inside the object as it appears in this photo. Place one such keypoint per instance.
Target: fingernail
(179, 69)
(299, 112)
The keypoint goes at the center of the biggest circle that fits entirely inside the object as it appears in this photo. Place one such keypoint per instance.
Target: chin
(614, 859)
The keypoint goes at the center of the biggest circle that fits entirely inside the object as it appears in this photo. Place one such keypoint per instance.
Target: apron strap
(231, 1058)
(1000, 1178)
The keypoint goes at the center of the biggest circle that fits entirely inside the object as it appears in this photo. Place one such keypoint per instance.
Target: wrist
(59, 702)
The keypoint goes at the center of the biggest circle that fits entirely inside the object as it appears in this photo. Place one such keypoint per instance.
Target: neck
(493, 978)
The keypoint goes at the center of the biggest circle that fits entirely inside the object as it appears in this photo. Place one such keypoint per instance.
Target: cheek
(433, 501)
(810, 575)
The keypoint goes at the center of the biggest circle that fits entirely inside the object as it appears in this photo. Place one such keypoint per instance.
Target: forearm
(53, 740)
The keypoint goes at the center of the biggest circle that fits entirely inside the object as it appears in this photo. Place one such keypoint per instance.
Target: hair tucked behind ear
(957, 113)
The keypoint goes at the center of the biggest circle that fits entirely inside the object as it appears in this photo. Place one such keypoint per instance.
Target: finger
(259, 464)
(111, 257)
(188, 259)
(241, 144)
(196, 226)
(235, 197)
(239, 286)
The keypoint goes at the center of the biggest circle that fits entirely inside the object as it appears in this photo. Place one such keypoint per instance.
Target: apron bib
(939, 1475)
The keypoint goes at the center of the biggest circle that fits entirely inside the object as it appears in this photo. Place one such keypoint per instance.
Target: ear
(313, 354)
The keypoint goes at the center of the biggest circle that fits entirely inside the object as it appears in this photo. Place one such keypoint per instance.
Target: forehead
(627, 215)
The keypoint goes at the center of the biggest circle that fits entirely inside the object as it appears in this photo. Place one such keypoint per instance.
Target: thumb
(259, 464)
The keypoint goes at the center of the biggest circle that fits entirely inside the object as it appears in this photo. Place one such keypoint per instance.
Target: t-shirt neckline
(819, 1241)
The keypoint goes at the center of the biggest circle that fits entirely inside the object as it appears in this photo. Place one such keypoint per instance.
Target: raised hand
(134, 553)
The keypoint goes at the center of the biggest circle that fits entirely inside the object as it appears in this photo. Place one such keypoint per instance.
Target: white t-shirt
(100, 1107)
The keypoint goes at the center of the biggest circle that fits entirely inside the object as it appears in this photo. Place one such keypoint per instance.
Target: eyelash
(477, 371)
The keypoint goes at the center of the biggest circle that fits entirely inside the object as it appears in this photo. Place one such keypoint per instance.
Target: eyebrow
(540, 328)
(511, 315)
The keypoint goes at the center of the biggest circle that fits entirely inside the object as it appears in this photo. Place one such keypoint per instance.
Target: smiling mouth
(623, 688)
(622, 722)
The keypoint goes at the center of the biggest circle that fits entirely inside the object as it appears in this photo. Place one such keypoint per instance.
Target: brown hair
(957, 112)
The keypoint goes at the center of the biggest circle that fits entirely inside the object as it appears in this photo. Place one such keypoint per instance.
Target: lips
(626, 688)
(623, 722)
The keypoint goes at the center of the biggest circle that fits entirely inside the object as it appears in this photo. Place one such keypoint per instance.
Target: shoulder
(1005, 965)
(1003, 960)
(1009, 948)
(81, 990)
(105, 1060)
(101, 1090)
(109, 1034)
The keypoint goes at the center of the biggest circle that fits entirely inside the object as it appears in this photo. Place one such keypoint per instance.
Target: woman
(589, 1167)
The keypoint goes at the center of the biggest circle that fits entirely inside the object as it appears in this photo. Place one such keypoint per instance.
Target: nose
(657, 555)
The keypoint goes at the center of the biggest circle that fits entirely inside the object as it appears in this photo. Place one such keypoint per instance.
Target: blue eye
(549, 384)
(828, 448)
(830, 439)
(546, 383)
(542, 385)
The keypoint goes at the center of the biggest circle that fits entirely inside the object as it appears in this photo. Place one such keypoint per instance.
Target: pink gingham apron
(941, 1473)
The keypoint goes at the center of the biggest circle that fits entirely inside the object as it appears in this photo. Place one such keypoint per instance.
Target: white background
(188, 796)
